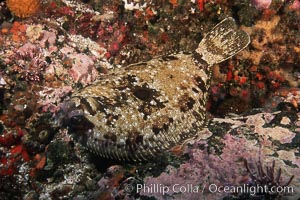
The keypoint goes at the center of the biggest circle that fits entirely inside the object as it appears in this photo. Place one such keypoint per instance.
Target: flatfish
(138, 111)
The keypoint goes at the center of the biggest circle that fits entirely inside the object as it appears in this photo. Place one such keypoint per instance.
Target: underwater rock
(83, 69)
(249, 137)
(111, 36)
(261, 4)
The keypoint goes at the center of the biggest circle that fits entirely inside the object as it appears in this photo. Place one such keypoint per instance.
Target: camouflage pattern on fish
(138, 111)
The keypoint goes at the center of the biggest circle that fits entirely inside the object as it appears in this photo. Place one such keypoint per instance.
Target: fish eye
(75, 116)
(76, 119)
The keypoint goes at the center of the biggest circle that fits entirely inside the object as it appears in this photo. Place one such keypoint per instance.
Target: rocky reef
(60, 46)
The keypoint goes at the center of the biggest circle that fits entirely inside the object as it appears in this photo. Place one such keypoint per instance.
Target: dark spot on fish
(122, 98)
(131, 141)
(105, 103)
(143, 93)
(201, 63)
(145, 109)
(166, 127)
(106, 136)
(139, 139)
(148, 96)
(110, 118)
(85, 105)
(199, 60)
(200, 83)
(131, 79)
(156, 130)
(186, 103)
(195, 90)
(128, 142)
(190, 103)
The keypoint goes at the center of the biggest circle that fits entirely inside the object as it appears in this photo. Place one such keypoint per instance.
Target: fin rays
(222, 42)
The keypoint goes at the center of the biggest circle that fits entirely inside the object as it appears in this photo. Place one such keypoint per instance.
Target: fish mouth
(73, 117)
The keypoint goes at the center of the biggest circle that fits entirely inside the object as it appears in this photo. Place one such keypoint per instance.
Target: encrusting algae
(23, 8)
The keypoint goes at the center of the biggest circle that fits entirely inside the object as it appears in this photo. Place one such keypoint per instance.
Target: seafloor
(51, 51)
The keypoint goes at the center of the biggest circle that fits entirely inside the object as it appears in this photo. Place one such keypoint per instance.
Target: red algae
(18, 32)
(201, 4)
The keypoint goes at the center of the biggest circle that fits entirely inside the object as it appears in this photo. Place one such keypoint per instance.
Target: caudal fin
(222, 42)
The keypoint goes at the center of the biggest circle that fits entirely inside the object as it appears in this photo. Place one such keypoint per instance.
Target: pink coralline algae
(261, 4)
(29, 61)
(204, 169)
(295, 5)
(44, 59)
(49, 40)
(219, 161)
(83, 69)
(51, 98)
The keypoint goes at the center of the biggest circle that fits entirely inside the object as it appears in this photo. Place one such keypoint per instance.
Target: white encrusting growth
(134, 5)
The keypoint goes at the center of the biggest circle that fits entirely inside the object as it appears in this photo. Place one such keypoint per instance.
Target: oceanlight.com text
(209, 188)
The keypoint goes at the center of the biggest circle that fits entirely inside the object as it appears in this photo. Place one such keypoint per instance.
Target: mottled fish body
(138, 111)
